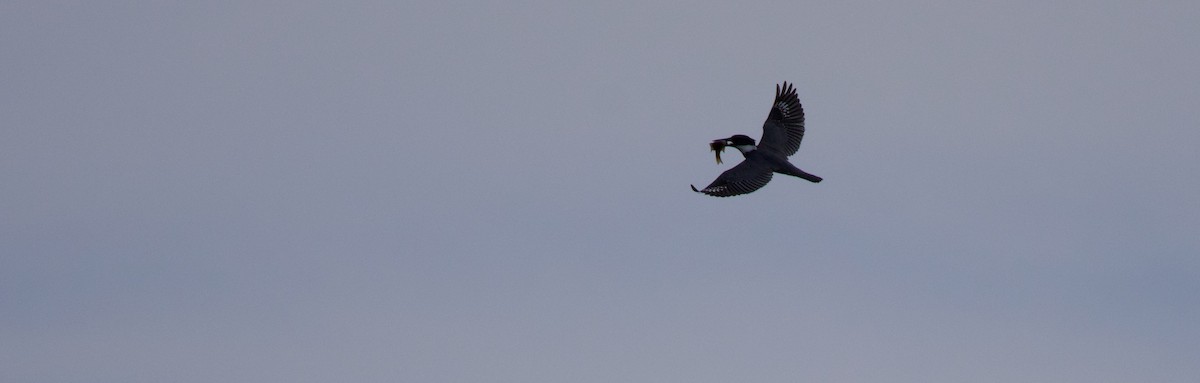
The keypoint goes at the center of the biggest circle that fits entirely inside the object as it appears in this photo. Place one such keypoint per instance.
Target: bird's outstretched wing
(785, 125)
(746, 177)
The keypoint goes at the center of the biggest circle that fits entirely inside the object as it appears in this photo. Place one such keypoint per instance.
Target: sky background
(436, 191)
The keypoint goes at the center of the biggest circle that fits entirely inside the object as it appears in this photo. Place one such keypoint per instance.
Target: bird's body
(782, 133)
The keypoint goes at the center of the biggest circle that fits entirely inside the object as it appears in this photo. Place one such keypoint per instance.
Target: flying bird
(781, 137)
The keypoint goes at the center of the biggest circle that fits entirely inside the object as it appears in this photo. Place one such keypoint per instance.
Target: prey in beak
(718, 146)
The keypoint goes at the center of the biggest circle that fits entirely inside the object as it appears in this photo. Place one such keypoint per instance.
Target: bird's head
(743, 143)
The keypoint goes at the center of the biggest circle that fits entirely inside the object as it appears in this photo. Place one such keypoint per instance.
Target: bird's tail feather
(810, 177)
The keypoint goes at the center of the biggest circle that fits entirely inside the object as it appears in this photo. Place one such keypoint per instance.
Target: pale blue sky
(302, 191)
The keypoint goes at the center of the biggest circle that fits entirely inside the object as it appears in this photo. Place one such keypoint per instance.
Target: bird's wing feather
(746, 177)
(784, 128)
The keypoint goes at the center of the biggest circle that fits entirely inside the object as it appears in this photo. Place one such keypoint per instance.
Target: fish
(717, 147)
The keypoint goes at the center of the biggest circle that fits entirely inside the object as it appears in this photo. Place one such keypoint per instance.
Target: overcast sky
(430, 191)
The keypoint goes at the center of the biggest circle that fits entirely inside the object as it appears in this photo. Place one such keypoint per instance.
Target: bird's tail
(792, 170)
(802, 174)
(810, 177)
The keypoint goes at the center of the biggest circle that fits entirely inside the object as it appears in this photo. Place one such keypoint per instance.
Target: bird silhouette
(782, 133)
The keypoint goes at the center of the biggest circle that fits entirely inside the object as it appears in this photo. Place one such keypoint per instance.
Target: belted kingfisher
(781, 137)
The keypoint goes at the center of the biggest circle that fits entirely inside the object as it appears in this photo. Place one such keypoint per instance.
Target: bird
(782, 133)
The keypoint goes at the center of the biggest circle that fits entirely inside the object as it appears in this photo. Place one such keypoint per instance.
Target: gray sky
(301, 191)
